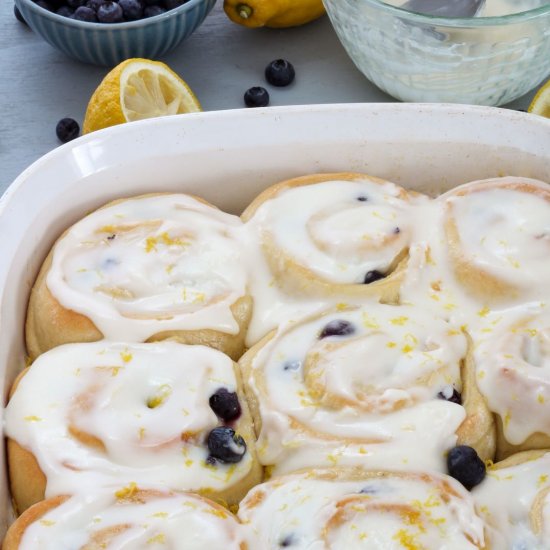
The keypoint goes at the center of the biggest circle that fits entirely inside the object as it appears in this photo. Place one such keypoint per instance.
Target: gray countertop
(39, 85)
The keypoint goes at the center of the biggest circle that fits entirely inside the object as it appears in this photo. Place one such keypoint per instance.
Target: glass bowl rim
(472, 22)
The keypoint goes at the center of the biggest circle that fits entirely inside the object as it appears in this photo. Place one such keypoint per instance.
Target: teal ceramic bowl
(109, 44)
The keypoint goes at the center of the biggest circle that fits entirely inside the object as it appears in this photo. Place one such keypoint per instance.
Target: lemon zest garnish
(399, 320)
(483, 312)
(160, 515)
(126, 356)
(47, 522)
(128, 491)
(160, 538)
(391, 345)
(540, 398)
(32, 418)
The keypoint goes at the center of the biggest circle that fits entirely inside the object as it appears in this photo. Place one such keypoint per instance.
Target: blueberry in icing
(362, 198)
(450, 394)
(287, 541)
(397, 230)
(111, 237)
(368, 490)
(225, 404)
(337, 327)
(373, 276)
(465, 466)
(292, 365)
(225, 445)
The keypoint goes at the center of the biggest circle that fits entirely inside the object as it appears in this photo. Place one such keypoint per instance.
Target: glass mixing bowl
(421, 58)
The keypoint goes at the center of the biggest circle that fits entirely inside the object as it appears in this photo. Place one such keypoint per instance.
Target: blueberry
(279, 73)
(85, 14)
(44, 4)
(292, 365)
(152, 11)
(171, 4)
(450, 394)
(362, 198)
(465, 466)
(109, 12)
(225, 445)
(225, 404)
(287, 541)
(75, 3)
(338, 327)
(132, 9)
(256, 97)
(65, 11)
(373, 276)
(67, 129)
(18, 15)
(94, 4)
(397, 230)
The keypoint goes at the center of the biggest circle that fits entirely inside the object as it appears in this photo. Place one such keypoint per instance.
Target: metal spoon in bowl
(444, 8)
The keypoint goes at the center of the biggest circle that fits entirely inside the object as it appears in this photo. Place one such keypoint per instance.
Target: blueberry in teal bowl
(106, 32)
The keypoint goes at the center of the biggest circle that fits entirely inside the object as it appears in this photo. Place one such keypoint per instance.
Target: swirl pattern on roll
(330, 231)
(149, 264)
(126, 519)
(514, 501)
(357, 385)
(118, 413)
(498, 233)
(338, 508)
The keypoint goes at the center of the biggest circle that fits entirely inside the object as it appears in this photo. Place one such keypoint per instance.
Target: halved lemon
(541, 102)
(137, 89)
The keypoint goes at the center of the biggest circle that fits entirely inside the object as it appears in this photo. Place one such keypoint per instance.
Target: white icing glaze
(327, 229)
(369, 397)
(413, 511)
(505, 500)
(146, 403)
(513, 370)
(161, 520)
(151, 264)
(505, 232)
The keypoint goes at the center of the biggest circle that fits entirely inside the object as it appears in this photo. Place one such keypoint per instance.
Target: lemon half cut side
(137, 89)
(541, 102)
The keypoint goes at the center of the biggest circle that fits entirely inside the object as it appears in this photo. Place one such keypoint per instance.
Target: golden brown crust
(34, 513)
(49, 324)
(478, 429)
(296, 279)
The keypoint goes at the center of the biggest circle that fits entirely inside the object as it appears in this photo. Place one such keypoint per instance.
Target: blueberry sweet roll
(376, 386)
(90, 415)
(498, 238)
(514, 501)
(348, 509)
(335, 234)
(144, 269)
(512, 361)
(126, 518)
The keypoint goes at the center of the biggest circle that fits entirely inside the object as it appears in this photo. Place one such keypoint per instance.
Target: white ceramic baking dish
(228, 157)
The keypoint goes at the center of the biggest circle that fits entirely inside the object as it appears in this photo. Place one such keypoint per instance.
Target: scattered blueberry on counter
(67, 129)
(280, 73)
(373, 276)
(106, 11)
(18, 15)
(256, 97)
